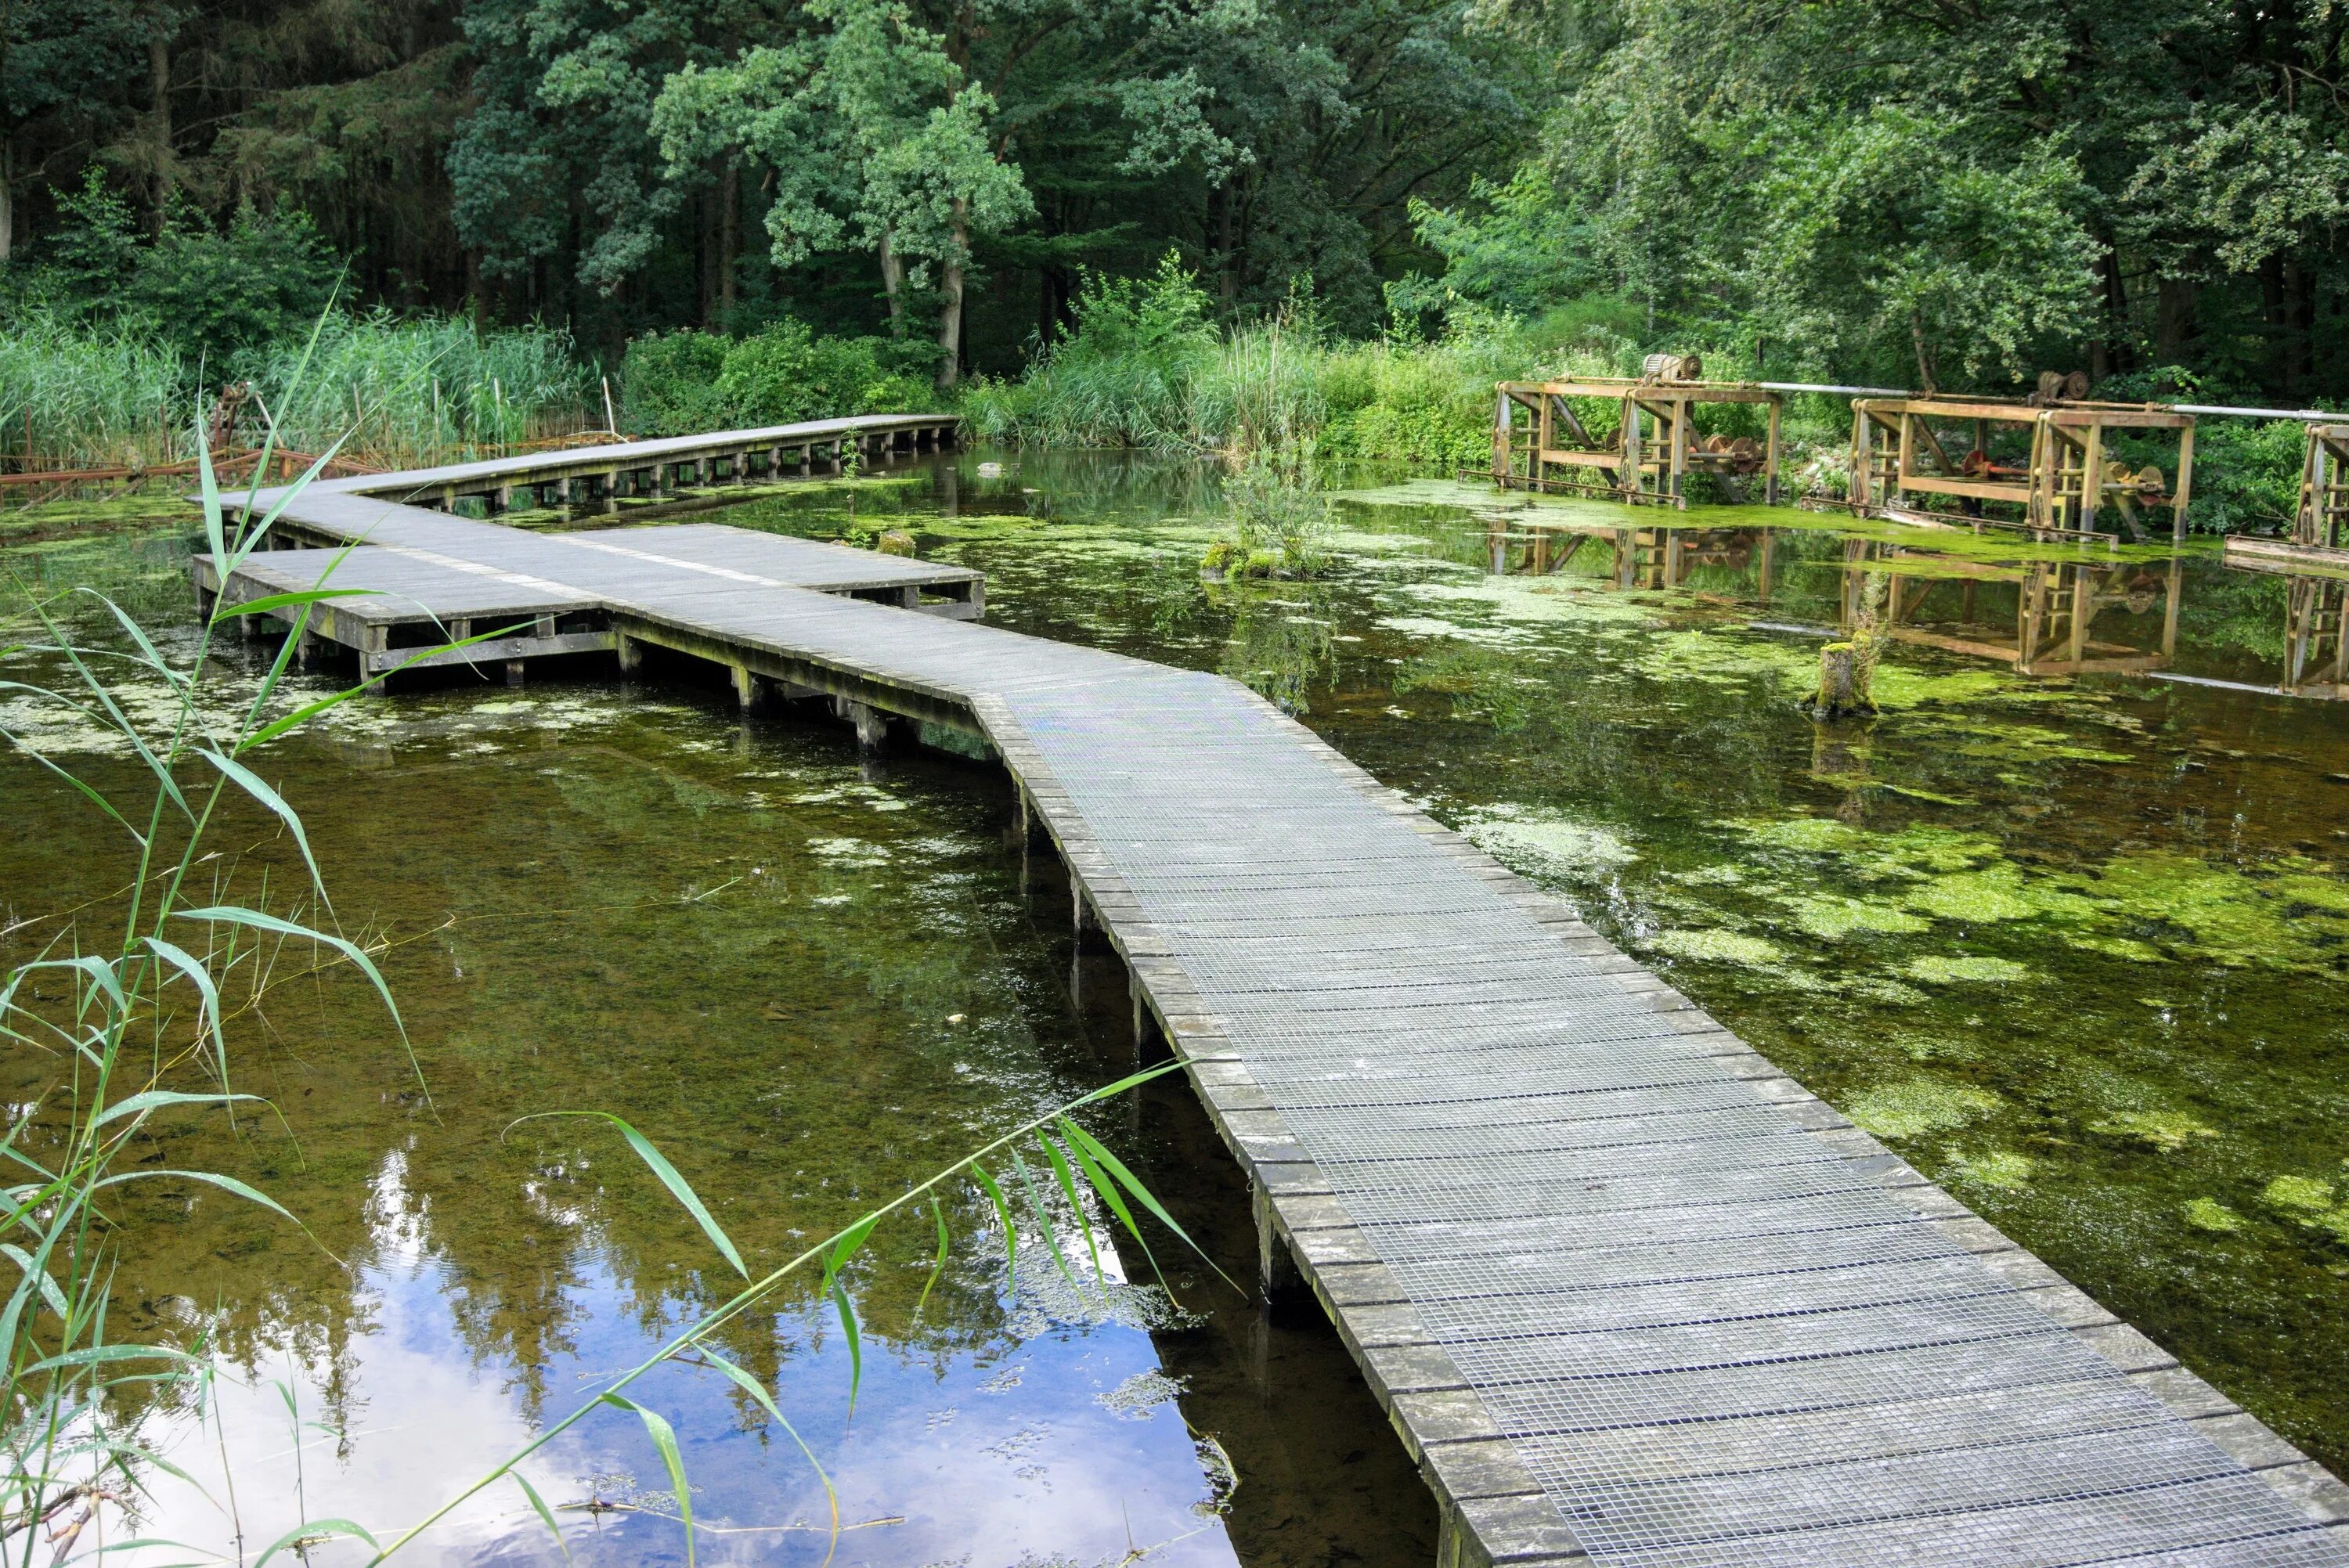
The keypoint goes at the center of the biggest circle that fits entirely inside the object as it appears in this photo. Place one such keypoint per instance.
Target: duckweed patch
(1551, 847)
(1914, 1107)
(1719, 947)
(2209, 1214)
(1999, 1168)
(1964, 969)
(1832, 917)
(2167, 1130)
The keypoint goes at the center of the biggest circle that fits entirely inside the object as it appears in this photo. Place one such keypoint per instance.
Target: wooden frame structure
(2321, 518)
(1650, 558)
(1897, 460)
(2056, 606)
(1647, 457)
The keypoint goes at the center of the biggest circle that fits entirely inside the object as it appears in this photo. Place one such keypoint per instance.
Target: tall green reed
(397, 391)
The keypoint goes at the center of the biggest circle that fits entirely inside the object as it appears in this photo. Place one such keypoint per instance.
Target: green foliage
(1276, 520)
(1523, 252)
(680, 382)
(671, 381)
(2246, 475)
(1146, 367)
(207, 294)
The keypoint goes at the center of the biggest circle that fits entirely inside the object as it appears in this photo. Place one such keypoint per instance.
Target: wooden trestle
(2065, 477)
(1648, 454)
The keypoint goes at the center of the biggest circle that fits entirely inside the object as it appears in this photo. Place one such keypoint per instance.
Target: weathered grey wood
(1630, 1294)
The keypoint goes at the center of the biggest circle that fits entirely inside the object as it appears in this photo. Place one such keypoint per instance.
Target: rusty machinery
(2055, 461)
(1647, 457)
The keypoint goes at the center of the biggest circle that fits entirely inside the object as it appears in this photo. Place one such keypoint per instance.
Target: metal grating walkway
(1632, 1295)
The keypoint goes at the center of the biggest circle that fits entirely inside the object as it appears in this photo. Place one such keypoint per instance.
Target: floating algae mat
(2077, 945)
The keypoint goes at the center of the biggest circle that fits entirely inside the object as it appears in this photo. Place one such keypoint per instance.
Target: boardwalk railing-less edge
(1629, 1294)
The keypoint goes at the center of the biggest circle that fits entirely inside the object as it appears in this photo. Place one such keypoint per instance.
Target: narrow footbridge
(1629, 1294)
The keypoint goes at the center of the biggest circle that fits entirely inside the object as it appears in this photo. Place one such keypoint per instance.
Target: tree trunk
(159, 92)
(950, 298)
(1917, 340)
(2106, 353)
(893, 278)
(2173, 318)
(729, 246)
(705, 255)
(7, 194)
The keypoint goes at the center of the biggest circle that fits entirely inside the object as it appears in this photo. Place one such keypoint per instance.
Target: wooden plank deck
(1630, 1294)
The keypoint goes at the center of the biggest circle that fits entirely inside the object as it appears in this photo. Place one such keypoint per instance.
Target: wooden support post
(2185, 490)
(1085, 920)
(1628, 434)
(1277, 1275)
(872, 724)
(513, 672)
(1863, 455)
(750, 695)
(1770, 464)
(1150, 1045)
(2092, 479)
(630, 651)
(1680, 454)
(1504, 427)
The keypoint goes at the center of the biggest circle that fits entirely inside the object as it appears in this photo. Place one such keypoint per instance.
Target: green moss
(1832, 916)
(1997, 893)
(2209, 1214)
(1938, 969)
(1997, 1168)
(2167, 1130)
(1719, 947)
(2302, 1197)
(1918, 1106)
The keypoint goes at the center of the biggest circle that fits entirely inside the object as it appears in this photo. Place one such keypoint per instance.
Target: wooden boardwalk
(1630, 1294)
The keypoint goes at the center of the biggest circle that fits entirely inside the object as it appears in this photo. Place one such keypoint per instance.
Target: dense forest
(1919, 192)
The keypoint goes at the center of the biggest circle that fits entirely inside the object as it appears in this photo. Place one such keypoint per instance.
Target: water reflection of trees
(790, 1056)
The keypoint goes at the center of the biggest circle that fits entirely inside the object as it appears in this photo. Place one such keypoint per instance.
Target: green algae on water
(1949, 969)
(1915, 1106)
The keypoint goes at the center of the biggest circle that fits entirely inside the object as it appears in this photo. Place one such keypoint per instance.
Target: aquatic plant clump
(1276, 522)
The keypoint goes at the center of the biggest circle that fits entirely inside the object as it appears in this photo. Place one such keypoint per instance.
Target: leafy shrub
(786, 373)
(670, 381)
(2246, 475)
(683, 382)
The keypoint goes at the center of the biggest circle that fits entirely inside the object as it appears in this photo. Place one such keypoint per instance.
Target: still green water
(2075, 945)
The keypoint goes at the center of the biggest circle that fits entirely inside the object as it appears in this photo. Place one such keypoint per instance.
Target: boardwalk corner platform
(1629, 1294)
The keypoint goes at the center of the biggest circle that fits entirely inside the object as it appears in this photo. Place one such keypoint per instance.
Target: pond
(2071, 940)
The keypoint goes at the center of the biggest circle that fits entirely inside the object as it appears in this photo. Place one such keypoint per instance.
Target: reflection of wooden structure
(2315, 637)
(2321, 518)
(2056, 606)
(2057, 461)
(1650, 558)
(2315, 614)
(1540, 443)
